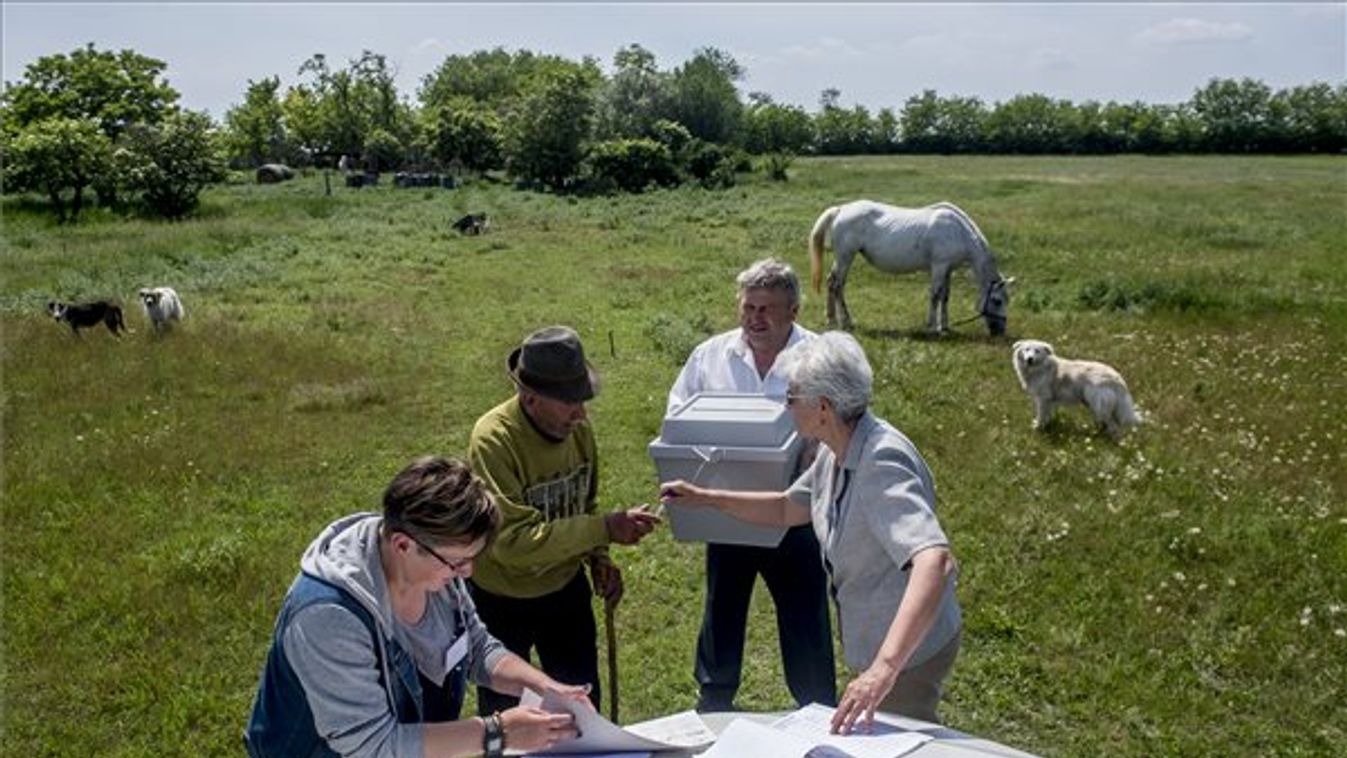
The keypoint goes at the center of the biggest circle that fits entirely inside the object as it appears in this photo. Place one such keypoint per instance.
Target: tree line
(109, 122)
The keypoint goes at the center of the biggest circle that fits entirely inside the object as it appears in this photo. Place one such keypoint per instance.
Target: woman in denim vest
(377, 637)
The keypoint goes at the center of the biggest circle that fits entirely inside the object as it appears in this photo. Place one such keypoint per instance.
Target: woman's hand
(679, 492)
(577, 692)
(862, 695)
(531, 729)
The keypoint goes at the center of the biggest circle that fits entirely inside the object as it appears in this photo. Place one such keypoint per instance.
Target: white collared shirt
(724, 363)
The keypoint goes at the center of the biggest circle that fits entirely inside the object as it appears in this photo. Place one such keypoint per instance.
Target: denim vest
(282, 725)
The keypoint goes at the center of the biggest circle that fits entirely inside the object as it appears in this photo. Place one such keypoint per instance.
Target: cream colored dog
(1053, 381)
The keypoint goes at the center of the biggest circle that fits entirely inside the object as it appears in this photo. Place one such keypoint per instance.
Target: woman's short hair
(771, 274)
(832, 365)
(439, 500)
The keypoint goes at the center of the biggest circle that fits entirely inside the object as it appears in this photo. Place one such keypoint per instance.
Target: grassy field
(1182, 594)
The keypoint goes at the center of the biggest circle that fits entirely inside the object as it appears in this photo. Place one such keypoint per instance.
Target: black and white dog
(472, 224)
(162, 306)
(80, 315)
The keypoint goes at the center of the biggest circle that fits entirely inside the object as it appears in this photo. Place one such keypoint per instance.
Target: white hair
(770, 274)
(834, 366)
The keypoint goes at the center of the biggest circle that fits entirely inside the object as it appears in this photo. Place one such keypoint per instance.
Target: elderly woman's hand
(862, 695)
(679, 492)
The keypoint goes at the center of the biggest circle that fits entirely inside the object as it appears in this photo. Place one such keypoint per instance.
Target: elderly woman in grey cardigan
(871, 500)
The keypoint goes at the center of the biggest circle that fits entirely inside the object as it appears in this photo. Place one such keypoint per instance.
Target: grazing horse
(938, 237)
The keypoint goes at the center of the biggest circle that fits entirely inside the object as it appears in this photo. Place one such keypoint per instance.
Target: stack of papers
(806, 733)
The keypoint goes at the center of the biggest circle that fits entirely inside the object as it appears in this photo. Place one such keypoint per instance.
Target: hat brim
(574, 390)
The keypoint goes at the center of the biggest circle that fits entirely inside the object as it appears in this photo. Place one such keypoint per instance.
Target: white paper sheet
(749, 738)
(598, 735)
(887, 740)
(684, 729)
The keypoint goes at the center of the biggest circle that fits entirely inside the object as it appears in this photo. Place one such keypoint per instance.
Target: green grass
(1181, 594)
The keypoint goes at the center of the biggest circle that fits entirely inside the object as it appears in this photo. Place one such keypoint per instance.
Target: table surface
(948, 743)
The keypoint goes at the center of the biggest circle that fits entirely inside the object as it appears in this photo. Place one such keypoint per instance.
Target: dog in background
(1053, 381)
(81, 315)
(162, 307)
(472, 224)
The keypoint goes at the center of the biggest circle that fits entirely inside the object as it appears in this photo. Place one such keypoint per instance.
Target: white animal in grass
(1053, 382)
(162, 306)
(937, 238)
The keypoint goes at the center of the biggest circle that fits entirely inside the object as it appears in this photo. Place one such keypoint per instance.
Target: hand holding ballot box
(732, 442)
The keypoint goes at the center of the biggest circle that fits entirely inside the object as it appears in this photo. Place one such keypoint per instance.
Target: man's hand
(607, 578)
(630, 526)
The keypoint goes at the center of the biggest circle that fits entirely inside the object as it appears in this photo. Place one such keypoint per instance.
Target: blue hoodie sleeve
(334, 657)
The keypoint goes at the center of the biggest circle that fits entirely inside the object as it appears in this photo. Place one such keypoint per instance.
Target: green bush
(776, 164)
(633, 164)
(711, 165)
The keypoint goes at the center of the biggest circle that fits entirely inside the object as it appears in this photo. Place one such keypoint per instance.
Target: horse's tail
(816, 237)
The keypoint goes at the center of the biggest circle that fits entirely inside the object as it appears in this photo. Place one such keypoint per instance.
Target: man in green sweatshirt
(536, 451)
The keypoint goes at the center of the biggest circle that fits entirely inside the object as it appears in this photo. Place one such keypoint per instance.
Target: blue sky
(878, 55)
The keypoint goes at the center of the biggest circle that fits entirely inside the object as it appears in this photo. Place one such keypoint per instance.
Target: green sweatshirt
(546, 491)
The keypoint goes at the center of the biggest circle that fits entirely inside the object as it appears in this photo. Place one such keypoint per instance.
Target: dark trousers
(794, 575)
(559, 625)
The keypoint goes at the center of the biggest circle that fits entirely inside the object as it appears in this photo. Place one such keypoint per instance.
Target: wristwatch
(493, 739)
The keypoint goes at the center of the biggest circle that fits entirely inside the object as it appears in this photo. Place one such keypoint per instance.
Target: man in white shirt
(744, 360)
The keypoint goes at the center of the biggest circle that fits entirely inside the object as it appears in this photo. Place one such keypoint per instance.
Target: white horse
(938, 237)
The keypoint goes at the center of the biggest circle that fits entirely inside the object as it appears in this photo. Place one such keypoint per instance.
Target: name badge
(456, 653)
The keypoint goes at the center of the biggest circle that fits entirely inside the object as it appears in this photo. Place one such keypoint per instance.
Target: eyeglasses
(791, 400)
(455, 566)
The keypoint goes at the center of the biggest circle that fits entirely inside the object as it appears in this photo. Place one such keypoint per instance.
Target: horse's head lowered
(994, 305)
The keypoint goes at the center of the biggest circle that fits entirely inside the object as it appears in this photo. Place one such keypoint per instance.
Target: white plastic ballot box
(732, 442)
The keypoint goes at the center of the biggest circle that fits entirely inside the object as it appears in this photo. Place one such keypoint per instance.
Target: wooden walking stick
(609, 614)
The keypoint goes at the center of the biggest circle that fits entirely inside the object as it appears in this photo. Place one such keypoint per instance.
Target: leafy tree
(771, 128)
(468, 135)
(930, 123)
(256, 132)
(842, 132)
(636, 97)
(302, 113)
(114, 89)
(1031, 124)
(1315, 117)
(57, 155)
(494, 79)
(1236, 116)
(884, 132)
(547, 132)
(704, 96)
(171, 162)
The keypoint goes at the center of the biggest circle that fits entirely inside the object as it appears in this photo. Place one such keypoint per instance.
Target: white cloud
(1179, 31)
(1051, 59)
(826, 47)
